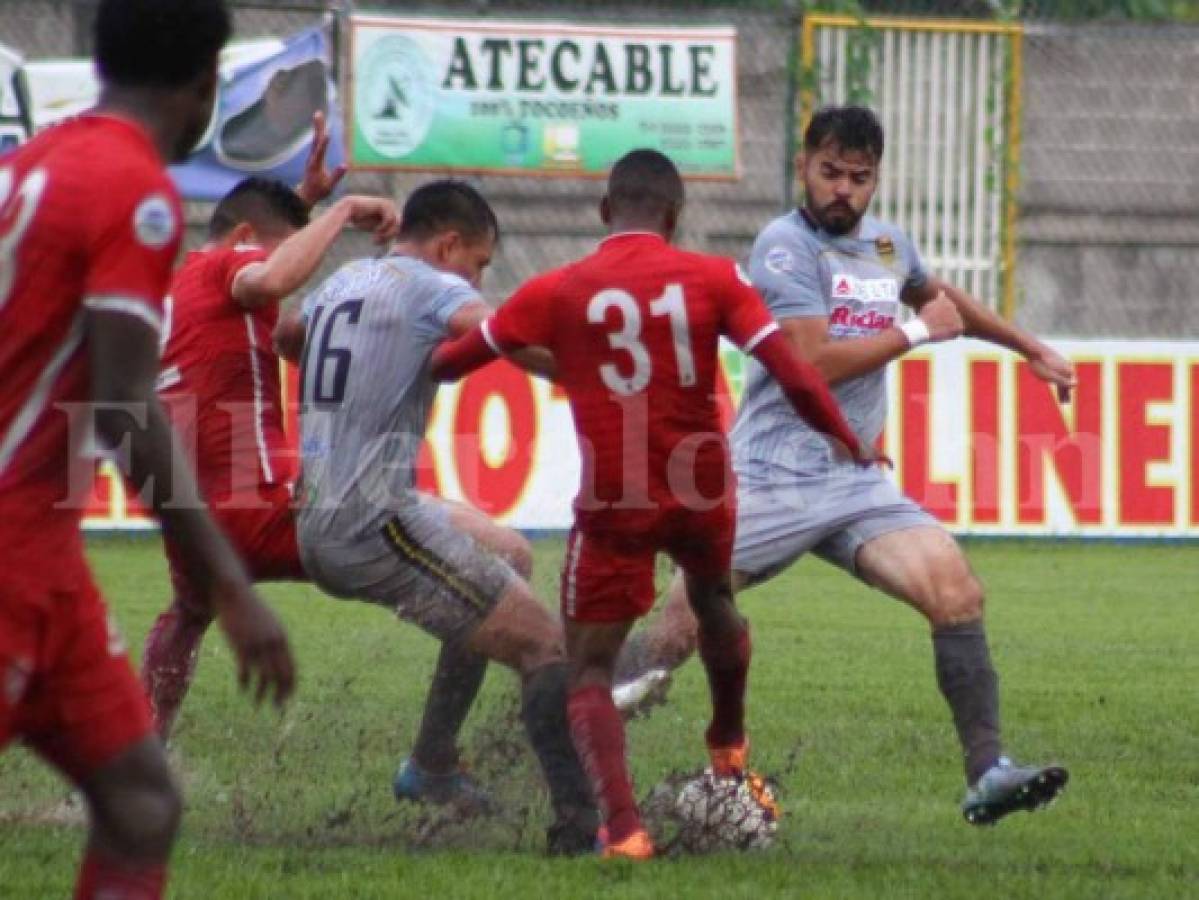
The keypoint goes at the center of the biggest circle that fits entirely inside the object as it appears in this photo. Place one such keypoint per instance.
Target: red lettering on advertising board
(1142, 442)
(1195, 443)
(1076, 453)
(939, 497)
(984, 441)
(495, 488)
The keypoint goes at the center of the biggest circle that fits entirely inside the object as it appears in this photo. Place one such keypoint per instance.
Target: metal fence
(1106, 193)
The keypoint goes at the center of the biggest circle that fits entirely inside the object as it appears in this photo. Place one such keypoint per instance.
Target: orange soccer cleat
(636, 846)
(729, 760)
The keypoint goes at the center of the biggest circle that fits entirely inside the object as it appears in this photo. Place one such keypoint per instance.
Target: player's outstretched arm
(980, 321)
(124, 362)
(296, 259)
(319, 182)
(808, 392)
(457, 358)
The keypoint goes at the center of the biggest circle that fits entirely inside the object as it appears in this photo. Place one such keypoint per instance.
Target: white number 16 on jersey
(628, 338)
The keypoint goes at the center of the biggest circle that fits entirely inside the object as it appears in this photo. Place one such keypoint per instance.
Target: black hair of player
(270, 206)
(644, 185)
(448, 205)
(852, 128)
(158, 43)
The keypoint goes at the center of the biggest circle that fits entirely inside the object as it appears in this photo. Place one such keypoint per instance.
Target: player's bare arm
(466, 332)
(295, 260)
(805, 388)
(980, 321)
(123, 352)
(840, 361)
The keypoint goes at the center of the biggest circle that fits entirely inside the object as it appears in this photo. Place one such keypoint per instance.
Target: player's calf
(522, 634)
(724, 648)
(169, 661)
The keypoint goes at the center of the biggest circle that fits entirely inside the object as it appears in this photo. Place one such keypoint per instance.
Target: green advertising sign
(539, 98)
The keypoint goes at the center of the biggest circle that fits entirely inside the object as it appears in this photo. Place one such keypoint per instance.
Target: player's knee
(959, 600)
(520, 556)
(141, 820)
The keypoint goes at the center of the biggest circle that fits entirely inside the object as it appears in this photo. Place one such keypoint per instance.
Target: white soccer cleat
(637, 697)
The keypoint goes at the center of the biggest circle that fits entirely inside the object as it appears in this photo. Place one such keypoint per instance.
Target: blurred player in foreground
(219, 383)
(639, 322)
(89, 228)
(366, 532)
(834, 278)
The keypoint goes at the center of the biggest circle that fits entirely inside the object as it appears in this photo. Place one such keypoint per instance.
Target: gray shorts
(834, 515)
(412, 561)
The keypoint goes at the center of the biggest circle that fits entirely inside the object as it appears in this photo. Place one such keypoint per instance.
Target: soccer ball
(726, 812)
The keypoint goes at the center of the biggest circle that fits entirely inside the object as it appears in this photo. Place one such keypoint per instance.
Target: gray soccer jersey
(802, 271)
(365, 393)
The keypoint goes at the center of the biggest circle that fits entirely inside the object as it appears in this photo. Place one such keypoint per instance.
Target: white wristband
(915, 331)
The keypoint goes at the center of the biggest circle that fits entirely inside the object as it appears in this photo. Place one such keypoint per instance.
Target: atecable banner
(540, 98)
(975, 437)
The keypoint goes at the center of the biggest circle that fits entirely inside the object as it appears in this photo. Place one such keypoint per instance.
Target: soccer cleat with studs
(637, 846)
(459, 788)
(637, 697)
(1005, 788)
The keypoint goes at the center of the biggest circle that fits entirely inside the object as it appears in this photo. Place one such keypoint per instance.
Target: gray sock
(971, 687)
(543, 711)
(456, 682)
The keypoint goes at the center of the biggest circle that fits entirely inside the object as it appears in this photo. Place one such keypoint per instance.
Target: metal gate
(948, 95)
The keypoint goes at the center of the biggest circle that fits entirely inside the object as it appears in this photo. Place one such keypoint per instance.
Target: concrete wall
(1109, 205)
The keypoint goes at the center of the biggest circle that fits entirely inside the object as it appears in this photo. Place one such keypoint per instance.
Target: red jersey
(634, 328)
(88, 218)
(219, 379)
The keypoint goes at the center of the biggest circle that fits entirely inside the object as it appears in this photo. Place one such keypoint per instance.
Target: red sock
(598, 733)
(103, 879)
(726, 660)
(169, 663)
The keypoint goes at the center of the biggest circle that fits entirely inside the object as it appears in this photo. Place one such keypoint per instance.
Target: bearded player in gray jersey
(834, 278)
(366, 532)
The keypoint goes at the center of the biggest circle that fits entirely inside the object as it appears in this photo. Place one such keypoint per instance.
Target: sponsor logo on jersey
(154, 222)
(868, 290)
(779, 260)
(860, 320)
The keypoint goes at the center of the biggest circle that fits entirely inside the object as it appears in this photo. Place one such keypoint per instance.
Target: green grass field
(1096, 648)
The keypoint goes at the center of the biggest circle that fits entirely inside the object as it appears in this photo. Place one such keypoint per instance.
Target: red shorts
(608, 575)
(66, 686)
(262, 531)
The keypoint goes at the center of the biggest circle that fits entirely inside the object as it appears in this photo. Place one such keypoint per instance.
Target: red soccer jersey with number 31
(634, 329)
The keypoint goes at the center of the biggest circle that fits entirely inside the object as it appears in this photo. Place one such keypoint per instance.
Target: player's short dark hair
(853, 128)
(644, 183)
(269, 205)
(158, 43)
(448, 205)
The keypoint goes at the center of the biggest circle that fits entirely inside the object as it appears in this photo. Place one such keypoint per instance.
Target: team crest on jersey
(886, 249)
(154, 222)
(779, 260)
